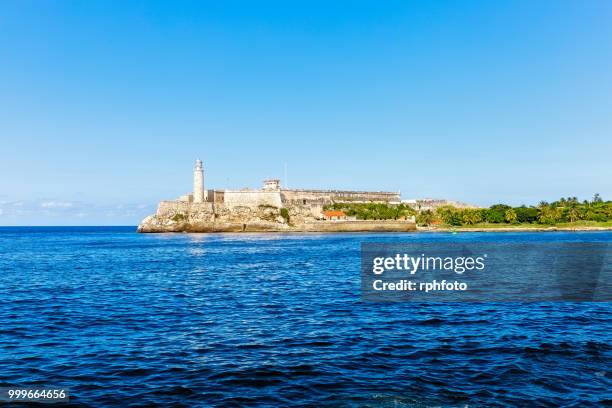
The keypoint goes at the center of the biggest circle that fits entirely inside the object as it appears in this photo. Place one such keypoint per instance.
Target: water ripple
(275, 320)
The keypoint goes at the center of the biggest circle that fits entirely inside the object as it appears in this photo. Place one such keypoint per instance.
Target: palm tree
(573, 213)
(510, 216)
(549, 215)
(471, 216)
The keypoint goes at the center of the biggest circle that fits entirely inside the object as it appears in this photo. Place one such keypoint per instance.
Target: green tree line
(565, 210)
(373, 211)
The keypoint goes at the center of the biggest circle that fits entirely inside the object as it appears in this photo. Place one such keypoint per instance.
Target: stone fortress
(270, 208)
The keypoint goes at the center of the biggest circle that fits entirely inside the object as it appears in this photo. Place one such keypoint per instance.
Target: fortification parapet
(252, 198)
(304, 196)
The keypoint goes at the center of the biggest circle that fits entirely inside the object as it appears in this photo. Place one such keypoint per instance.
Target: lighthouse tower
(198, 182)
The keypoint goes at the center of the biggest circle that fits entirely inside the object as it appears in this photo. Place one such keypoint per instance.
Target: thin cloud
(56, 204)
(57, 211)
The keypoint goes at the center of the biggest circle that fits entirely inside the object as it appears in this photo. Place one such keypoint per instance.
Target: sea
(276, 320)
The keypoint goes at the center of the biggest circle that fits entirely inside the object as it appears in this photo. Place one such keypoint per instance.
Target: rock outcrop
(181, 216)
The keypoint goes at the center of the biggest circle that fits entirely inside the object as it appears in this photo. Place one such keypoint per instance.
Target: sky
(105, 105)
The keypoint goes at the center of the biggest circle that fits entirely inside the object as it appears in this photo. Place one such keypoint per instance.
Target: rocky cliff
(182, 216)
(178, 216)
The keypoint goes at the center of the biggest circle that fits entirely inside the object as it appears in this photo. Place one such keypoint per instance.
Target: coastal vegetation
(267, 207)
(565, 212)
(178, 217)
(285, 214)
(373, 211)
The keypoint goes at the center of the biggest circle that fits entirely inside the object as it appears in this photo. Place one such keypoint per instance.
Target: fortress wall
(251, 198)
(358, 226)
(329, 196)
(218, 196)
(298, 197)
(170, 208)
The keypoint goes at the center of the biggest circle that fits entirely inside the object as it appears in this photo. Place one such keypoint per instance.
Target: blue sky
(105, 105)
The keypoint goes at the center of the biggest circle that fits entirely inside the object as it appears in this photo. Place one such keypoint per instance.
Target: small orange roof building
(334, 215)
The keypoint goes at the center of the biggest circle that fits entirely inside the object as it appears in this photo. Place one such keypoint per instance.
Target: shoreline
(514, 229)
(273, 227)
(388, 231)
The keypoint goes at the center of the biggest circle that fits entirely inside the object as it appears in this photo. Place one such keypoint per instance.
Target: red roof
(334, 213)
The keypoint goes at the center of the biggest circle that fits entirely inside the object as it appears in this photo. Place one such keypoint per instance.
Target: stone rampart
(251, 198)
(303, 196)
(358, 226)
(170, 208)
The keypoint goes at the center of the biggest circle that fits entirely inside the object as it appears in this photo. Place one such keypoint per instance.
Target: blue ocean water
(124, 319)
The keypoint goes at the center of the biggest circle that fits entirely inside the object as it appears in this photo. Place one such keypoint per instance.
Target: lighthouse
(198, 182)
